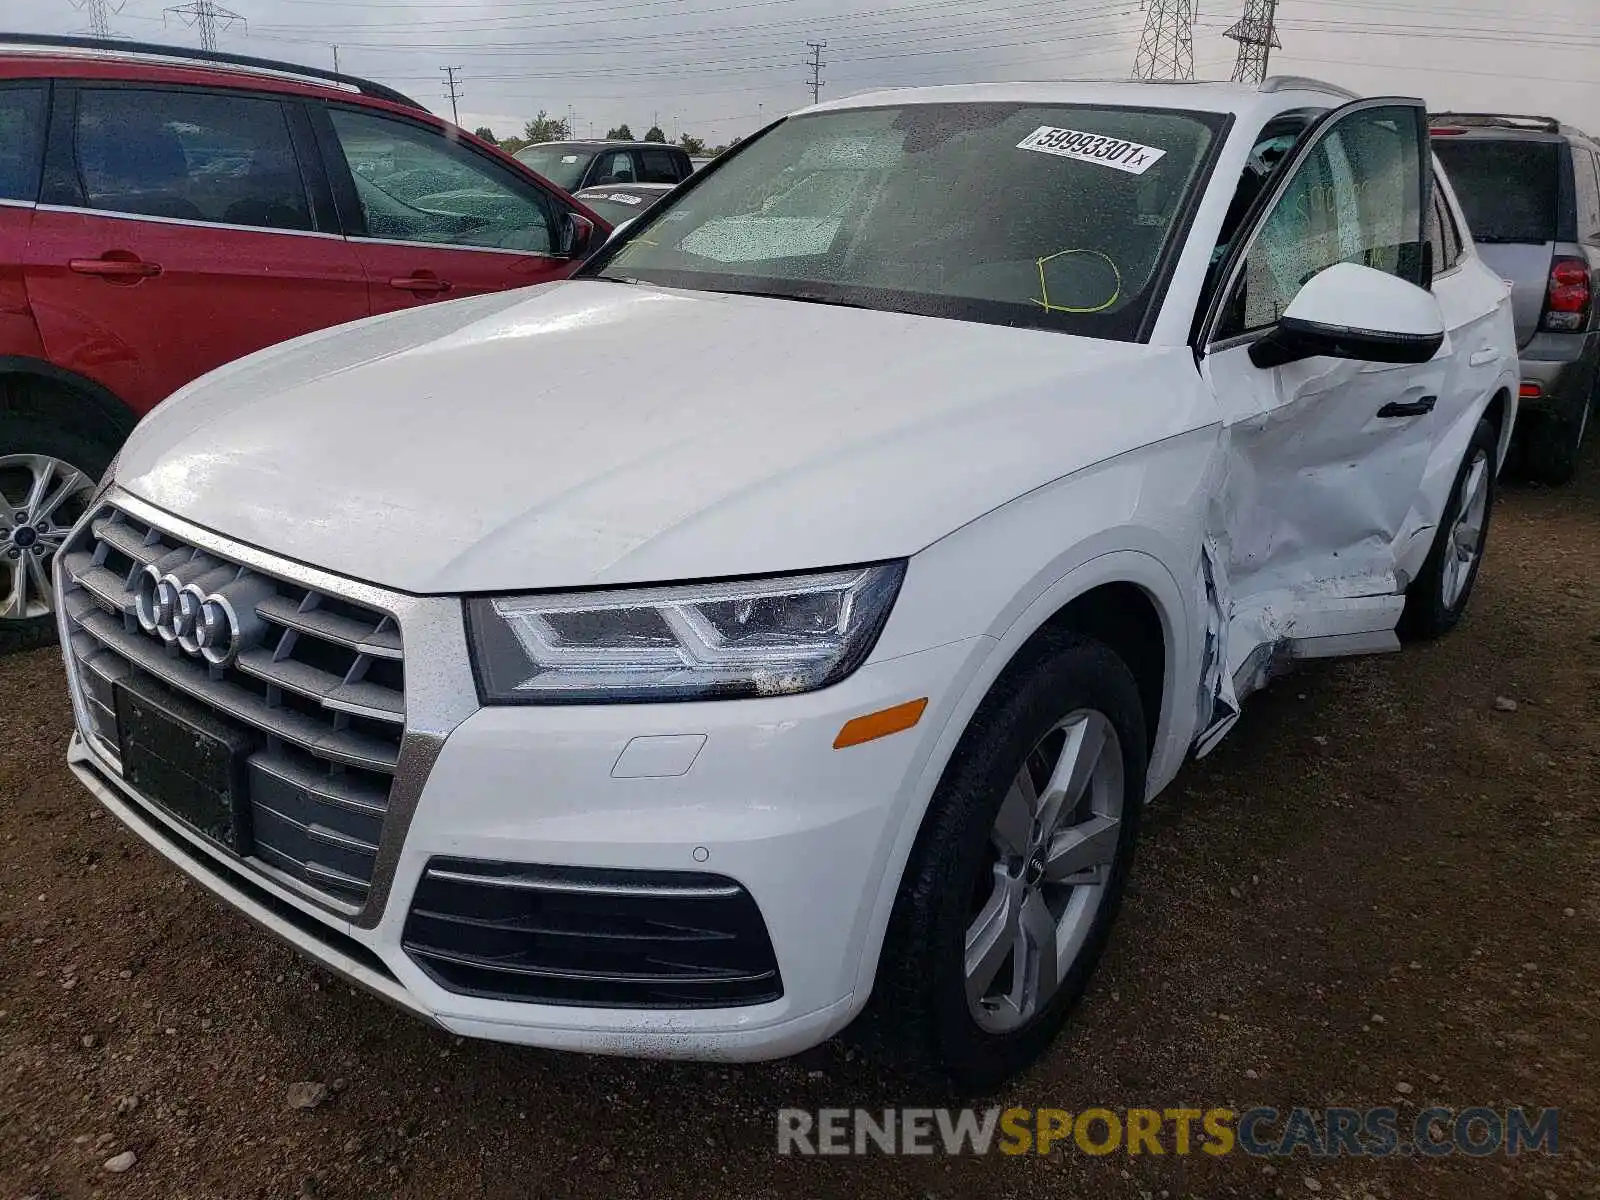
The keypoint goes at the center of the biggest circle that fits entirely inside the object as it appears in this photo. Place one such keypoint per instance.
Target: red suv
(163, 212)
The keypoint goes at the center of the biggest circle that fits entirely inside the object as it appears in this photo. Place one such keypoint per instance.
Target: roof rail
(1304, 83)
(365, 87)
(1495, 121)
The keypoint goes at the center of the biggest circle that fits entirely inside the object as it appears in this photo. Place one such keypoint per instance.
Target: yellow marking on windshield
(1043, 299)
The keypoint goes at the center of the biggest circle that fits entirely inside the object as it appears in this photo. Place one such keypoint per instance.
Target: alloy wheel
(1466, 535)
(41, 498)
(1050, 855)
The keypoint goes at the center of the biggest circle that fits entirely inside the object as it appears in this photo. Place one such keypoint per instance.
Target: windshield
(561, 165)
(1031, 215)
(1508, 189)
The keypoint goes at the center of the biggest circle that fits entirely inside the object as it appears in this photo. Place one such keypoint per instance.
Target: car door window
(615, 167)
(414, 185)
(660, 166)
(1443, 235)
(1356, 197)
(194, 156)
(1588, 192)
(21, 142)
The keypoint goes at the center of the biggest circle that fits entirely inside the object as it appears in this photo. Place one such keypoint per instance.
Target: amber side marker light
(880, 724)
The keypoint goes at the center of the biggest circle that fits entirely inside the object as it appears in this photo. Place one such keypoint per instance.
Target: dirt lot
(1381, 890)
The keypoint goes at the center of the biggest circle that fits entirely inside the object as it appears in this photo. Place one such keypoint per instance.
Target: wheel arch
(1113, 596)
(1502, 414)
(99, 400)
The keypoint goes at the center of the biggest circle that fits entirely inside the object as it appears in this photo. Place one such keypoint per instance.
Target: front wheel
(1438, 596)
(50, 466)
(1018, 870)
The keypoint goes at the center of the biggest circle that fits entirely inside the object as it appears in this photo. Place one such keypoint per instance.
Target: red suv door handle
(422, 283)
(116, 264)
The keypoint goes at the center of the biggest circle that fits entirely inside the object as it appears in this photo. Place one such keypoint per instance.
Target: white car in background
(801, 605)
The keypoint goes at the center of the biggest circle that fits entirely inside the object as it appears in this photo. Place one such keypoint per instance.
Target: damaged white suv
(800, 605)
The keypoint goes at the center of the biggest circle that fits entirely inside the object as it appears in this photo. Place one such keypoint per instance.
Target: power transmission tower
(206, 16)
(816, 64)
(451, 90)
(1257, 35)
(1166, 48)
(99, 15)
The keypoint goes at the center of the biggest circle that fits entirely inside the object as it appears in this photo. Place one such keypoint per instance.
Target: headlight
(759, 637)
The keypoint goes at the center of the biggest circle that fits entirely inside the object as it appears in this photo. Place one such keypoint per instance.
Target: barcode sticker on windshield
(1094, 148)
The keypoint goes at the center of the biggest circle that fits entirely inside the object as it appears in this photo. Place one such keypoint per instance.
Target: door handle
(122, 266)
(1484, 357)
(1416, 408)
(422, 283)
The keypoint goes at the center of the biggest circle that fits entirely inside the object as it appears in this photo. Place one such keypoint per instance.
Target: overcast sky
(715, 68)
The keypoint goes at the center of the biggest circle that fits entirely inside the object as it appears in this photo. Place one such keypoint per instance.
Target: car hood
(591, 432)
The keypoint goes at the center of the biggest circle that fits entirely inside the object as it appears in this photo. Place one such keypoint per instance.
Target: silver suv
(1530, 187)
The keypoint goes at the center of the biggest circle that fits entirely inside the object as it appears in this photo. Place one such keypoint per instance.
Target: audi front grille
(304, 689)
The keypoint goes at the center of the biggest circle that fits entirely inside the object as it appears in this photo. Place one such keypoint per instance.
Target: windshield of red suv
(561, 165)
(1015, 214)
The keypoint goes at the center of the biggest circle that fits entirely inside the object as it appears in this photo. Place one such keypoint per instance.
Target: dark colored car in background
(622, 201)
(1530, 187)
(164, 211)
(578, 165)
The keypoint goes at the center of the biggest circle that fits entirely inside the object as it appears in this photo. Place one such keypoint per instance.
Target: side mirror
(1358, 313)
(577, 234)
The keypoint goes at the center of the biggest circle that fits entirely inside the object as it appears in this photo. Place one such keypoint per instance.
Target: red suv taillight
(1567, 304)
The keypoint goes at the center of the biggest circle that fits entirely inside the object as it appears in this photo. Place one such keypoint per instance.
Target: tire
(1552, 444)
(1438, 596)
(920, 1020)
(41, 421)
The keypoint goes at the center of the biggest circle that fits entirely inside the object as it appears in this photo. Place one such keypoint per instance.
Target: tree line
(545, 128)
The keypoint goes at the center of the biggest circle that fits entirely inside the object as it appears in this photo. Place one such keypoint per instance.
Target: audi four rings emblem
(205, 608)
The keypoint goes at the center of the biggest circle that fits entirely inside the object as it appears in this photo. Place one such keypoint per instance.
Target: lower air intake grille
(607, 939)
(312, 684)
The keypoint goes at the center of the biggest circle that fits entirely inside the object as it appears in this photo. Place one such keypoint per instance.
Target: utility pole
(1257, 35)
(99, 15)
(453, 91)
(335, 59)
(206, 16)
(1166, 48)
(816, 64)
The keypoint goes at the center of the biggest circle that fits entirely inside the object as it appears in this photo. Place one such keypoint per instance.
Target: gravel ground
(1380, 890)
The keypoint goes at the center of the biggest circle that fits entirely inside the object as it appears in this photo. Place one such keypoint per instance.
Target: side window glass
(1452, 233)
(660, 166)
(1356, 198)
(417, 186)
(1442, 235)
(616, 167)
(190, 155)
(21, 142)
(1588, 193)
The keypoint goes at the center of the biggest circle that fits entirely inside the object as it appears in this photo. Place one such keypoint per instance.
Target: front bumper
(767, 802)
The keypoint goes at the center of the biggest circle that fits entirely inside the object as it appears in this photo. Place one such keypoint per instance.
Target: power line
(816, 64)
(451, 90)
(1257, 35)
(1166, 48)
(99, 15)
(206, 16)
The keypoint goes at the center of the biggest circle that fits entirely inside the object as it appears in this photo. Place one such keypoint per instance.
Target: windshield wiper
(802, 297)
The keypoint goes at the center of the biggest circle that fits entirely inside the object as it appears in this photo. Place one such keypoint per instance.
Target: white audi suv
(785, 621)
